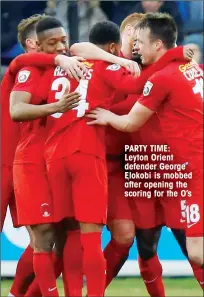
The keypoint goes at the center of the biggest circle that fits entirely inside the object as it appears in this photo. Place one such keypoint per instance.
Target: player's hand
(100, 116)
(131, 66)
(188, 53)
(68, 101)
(72, 65)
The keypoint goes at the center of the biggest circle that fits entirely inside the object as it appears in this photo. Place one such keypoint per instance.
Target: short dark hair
(104, 32)
(47, 24)
(27, 26)
(162, 26)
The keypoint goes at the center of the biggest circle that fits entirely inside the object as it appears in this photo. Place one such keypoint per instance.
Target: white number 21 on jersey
(82, 89)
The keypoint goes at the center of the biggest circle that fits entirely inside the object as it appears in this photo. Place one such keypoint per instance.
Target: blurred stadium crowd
(80, 15)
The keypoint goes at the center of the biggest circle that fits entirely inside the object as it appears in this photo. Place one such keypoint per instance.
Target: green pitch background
(135, 287)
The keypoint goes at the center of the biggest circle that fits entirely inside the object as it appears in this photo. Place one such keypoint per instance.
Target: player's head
(106, 35)
(127, 27)
(157, 32)
(27, 32)
(52, 37)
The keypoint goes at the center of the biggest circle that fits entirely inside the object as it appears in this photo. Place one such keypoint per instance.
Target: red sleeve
(27, 80)
(124, 106)
(33, 59)
(155, 91)
(116, 77)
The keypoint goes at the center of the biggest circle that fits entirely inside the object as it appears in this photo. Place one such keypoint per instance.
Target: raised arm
(41, 60)
(72, 65)
(90, 51)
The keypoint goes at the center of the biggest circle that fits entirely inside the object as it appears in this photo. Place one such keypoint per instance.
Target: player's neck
(159, 54)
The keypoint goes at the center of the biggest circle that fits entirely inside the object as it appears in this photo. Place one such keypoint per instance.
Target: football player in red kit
(11, 135)
(29, 158)
(181, 120)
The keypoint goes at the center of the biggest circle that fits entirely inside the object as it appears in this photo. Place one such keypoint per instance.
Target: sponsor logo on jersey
(147, 88)
(23, 76)
(187, 66)
(88, 64)
(189, 226)
(113, 67)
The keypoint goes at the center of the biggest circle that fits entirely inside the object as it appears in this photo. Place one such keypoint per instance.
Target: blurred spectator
(117, 11)
(170, 7)
(11, 14)
(89, 13)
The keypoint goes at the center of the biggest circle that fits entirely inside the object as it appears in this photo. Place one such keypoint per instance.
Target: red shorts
(152, 212)
(118, 207)
(194, 206)
(33, 196)
(79, 188)
(7, 195)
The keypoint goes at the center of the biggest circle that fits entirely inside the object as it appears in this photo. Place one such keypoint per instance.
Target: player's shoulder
(27, 72)
(160, 76)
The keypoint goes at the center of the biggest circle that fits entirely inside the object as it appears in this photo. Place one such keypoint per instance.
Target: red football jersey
(10, 131)
(97, 89)
(33, 133)
(150, 133)
(176, 93)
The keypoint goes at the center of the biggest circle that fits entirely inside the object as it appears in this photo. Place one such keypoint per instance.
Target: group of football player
(63, 140)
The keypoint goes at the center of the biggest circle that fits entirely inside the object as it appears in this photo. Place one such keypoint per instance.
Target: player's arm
(154, 94)
(72, 65)
(21, 108)
(119, 79)
(91, 51)
(131, 122)
(179, 52)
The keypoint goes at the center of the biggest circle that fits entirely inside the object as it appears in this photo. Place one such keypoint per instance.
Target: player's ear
(129, 29)
(158, 44)
(30, 43)
(112, 48)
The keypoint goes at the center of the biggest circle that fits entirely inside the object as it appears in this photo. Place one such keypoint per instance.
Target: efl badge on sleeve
(23, 76)
(113, 67)
(147, 88)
